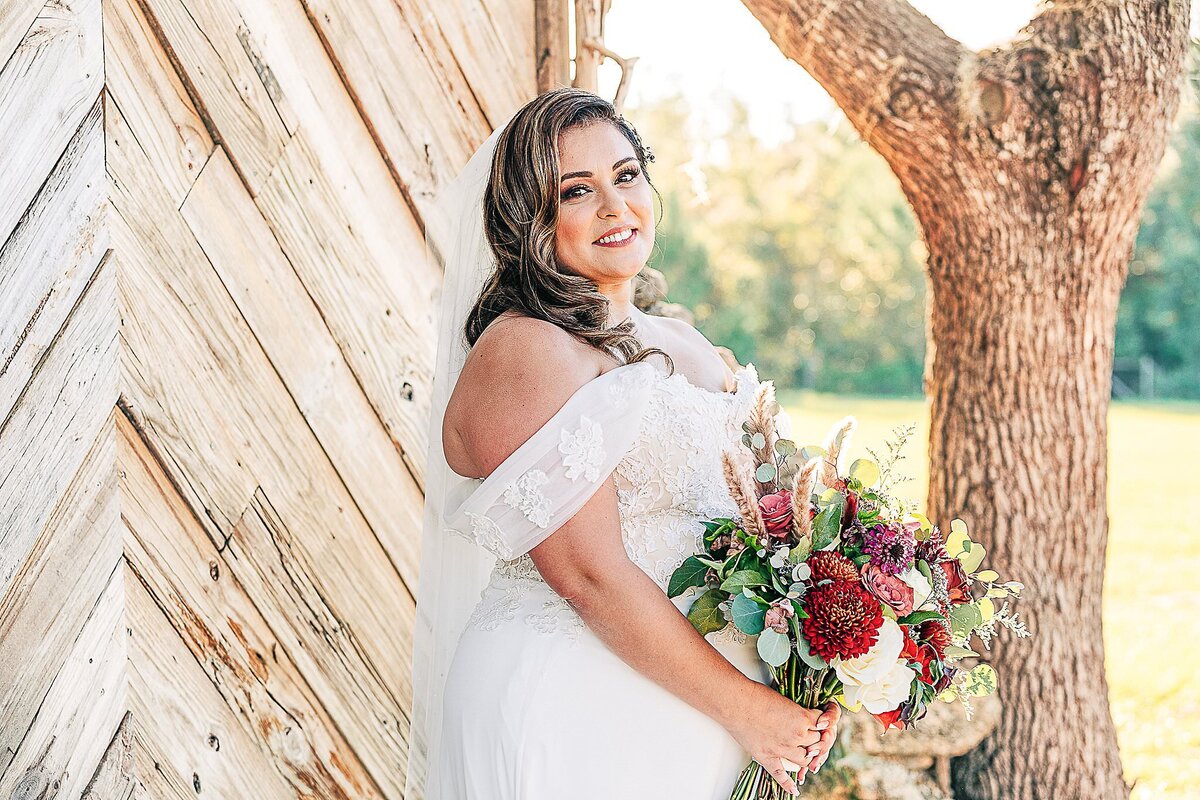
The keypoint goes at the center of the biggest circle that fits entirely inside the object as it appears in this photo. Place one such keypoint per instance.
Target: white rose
(871, 665)
(885, 694)
(920, 586)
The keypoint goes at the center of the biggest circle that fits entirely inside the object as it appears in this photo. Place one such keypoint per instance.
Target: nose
(611, 204)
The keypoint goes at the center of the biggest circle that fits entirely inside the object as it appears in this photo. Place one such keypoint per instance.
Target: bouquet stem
(803, 685)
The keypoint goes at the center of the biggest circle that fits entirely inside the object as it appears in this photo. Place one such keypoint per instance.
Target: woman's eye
(577, 191)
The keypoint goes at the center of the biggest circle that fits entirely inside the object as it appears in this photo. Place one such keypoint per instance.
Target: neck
(620, 301)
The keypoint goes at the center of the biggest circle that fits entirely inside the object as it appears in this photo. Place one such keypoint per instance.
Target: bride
(575, 445)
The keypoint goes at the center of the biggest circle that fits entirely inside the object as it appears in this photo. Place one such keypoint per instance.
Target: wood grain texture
(217, 324)
(80, 712)
(292, 331)
(197, 590)
(47, 86)
(51, 256)
(55, 590)
(56, 420)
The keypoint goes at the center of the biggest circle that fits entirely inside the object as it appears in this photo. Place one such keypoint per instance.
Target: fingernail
(822, 725)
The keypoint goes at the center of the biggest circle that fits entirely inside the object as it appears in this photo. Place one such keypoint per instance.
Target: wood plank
(47, 88)
(156, 779)
(407, 85)
(81, 711)
(247, 663)
(153, 99)
(50, 257)
(52, 593)
(216, 414)
(114, 779)
(378, 308)
(493, 44)
(230, 86)
(16, 18)
(55, 422)
(292, 332)
(189, 734)
(379, 302)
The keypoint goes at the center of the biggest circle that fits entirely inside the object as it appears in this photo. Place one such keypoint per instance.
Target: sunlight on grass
(1152, 640)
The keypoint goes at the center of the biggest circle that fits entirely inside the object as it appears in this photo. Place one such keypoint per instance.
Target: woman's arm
(585, 562)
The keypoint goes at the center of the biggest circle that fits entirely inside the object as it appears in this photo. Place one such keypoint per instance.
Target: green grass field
(1151, 636)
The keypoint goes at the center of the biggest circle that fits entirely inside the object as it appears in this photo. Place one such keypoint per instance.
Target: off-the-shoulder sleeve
(554, 472)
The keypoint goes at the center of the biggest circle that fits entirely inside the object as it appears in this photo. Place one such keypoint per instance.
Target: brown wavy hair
(520, 217)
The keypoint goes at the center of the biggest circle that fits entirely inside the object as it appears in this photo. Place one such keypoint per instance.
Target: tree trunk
(1027, 167)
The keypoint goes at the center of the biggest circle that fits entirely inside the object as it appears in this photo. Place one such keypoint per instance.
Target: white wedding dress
(536, 707)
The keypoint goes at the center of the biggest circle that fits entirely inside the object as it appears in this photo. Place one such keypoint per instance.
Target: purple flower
(890, 547)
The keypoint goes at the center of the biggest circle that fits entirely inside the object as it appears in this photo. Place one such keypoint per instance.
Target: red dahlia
(937, 633)
(828, 564)
(843, 620)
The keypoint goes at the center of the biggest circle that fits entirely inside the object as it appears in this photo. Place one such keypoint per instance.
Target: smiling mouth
(619, 239)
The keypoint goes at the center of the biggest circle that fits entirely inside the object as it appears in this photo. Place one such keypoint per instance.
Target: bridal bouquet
(852, 594)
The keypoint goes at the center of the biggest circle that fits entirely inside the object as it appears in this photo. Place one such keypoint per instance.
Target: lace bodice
(667, 482)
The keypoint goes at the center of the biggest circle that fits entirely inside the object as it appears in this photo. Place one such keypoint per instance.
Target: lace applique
(487, 533)
(525, 494)
(557, 616)
(583, 450)
(521, 568)
(669, 480)
(491, 614)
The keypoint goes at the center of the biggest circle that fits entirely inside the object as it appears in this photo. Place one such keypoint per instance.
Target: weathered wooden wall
(62, 652)
(214, 370)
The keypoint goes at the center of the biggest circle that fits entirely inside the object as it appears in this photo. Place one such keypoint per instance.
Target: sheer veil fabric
(453, 571)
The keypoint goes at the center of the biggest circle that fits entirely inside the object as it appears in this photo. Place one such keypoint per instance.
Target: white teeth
(616, 237)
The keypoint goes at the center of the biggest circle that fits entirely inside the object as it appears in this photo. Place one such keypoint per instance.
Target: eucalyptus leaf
(988, 576)
(865, 470)
(981, 680)
(748, 615)
(964, 618)
(773, 647)
(987, 609)
(765, 473)
(746, 440)
(807, 656)
(955, 652)
(758, 440)
(972, 558)
(785, 447)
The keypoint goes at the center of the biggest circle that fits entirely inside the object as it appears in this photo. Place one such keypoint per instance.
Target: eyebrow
(588, 174)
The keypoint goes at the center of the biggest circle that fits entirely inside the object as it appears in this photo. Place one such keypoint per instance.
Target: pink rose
(776, 512)
(889, 589)
(778, 615)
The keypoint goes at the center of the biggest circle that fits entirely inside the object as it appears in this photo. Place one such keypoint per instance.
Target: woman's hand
(779, 734)
(832, 714)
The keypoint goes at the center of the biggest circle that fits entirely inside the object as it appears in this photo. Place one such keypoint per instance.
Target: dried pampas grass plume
(839, 438)
(762, 420)
(802, 489)
(743, 494)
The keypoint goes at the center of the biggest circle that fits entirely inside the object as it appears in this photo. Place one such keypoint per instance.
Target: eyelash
(633, 172)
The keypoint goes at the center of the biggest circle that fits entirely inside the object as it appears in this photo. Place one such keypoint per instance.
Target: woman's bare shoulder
(519, 373)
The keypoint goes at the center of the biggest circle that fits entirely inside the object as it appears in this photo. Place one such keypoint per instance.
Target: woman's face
(605, 226)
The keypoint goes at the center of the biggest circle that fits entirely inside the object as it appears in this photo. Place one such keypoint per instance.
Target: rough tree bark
(1027, 167)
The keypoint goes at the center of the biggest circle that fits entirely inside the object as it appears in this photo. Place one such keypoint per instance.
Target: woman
(580, 446)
